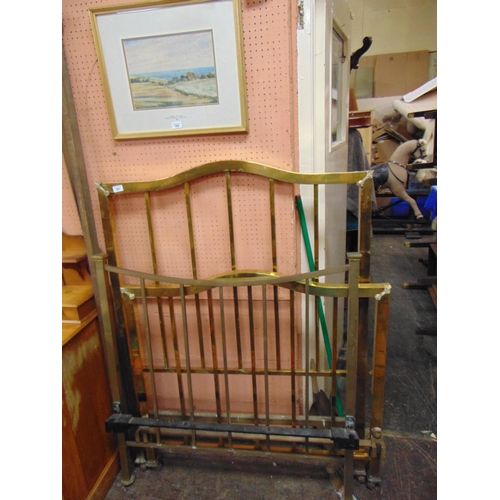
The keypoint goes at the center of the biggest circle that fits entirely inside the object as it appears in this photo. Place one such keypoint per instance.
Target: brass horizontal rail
(243, 371)
(366, 290)
(260, 169)
(247, 278)
(296, 450)
(320, 421)
(234, 278)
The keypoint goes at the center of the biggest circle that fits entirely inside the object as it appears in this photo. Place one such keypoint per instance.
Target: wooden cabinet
(89, 453)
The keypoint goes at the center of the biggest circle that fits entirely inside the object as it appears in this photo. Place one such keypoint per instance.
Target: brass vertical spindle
(188, 359)
(306, 409)
(352, 363)
(348, 474)
(362, 366)
(266, 360)
(178, 369)
(292, 359)
(136, 347)
(187, 193)
(364, 240)
(233, 267)
(115, 383)
(252, 354)
(149, 347)
(224, 355)
(275, 269)
(129, 402)
(365, 228)
(316, 266)
(379, 360)
(159, 303)
(334, 394)
(352, 333)
(214, 354)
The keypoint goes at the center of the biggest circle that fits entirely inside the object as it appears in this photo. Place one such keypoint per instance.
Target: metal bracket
(99, 186)
(349, 422)
(369, 175)
(129, 295)
(385, 291)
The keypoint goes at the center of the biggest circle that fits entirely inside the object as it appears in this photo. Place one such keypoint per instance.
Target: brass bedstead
(204, 352)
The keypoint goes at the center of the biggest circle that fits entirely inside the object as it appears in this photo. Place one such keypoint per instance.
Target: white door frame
(316, 152)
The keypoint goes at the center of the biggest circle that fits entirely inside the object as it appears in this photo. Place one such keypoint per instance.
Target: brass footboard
(233, 362)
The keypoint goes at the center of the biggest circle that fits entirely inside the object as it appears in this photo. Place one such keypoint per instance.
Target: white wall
(394, 25)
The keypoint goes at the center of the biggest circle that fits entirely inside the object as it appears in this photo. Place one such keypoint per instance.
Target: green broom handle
(321, 312)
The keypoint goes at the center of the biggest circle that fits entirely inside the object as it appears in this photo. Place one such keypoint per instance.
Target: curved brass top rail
(277, 174)
(248, 278)
(231, 278)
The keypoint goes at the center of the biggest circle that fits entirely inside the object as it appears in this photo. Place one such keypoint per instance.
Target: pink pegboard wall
(269, 58)
(269, 55)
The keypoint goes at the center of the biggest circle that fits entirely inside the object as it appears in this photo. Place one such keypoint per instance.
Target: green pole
(321, 312)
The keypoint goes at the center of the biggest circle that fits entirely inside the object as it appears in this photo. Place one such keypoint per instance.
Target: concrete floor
(409, 470)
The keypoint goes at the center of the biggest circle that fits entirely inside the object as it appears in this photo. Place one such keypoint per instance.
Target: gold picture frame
(172, 67)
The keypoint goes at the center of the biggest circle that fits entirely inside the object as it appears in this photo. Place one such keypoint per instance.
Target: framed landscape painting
(172, 67)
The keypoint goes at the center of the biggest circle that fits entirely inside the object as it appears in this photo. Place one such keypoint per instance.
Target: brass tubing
(366, 290)
(348, 474)
(244, 371)
(317, 421)
(274, 247)
(316, 266)
(365, 228)
(379, 361)
(277, 327)
(233, 267)
(178, 368)
(109, 336)
(129, 401)
(292, 358)
(352, 334)
(361, 385)
(273, 225)
(266, 359)
(188, 360)
(187, 195)
(365, 233)
(214, 354)
(200, 329)
(243, 448)
(278, 174)
(224, 357)
(316, 227)
(317, 356)
(149, 347)
(230, 219)
(306, 388)
(334, 394)
(237, 327)
(251, 278)
(154, 261)
(130, 313)
(252, 353)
